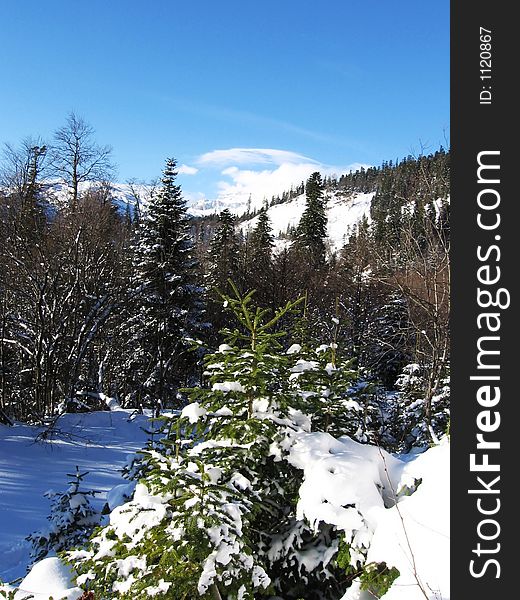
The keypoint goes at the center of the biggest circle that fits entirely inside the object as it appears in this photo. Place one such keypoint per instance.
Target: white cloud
(252, 156)
(241, 184)
(187, 170)
(259, 174)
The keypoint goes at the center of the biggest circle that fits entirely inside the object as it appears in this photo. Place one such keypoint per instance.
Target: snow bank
(120, 494)
(228, 386)
(193, 412)
(346, 484)
(417, 530)
(362, 489)
(49, 577)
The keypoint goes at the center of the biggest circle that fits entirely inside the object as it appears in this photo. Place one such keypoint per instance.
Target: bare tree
(56, 297)
(141, 193)
(421, 275)
(76, 157)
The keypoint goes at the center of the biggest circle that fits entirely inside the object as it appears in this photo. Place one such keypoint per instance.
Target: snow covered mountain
(122, 194)
(130, 194)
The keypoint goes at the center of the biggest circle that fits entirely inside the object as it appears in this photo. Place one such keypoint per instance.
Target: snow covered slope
(343, 214)
(97, 442)
(355, 487)
(414, 535)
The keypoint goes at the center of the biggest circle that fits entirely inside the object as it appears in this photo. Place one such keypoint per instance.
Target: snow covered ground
(414, 535)
(348, 484)
(355, 487)
(98, 442)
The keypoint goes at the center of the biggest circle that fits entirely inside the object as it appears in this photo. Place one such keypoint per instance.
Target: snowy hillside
(343, 214)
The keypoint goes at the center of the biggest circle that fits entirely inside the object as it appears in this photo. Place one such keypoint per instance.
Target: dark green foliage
(377, 578)
(344, 561)
(223, 262)
(258, 265)
(262, 241)
(223, 254)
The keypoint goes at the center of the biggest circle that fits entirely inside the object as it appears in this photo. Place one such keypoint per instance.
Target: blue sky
(331, 83)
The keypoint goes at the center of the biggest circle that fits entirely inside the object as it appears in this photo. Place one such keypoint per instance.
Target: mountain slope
(344, 212)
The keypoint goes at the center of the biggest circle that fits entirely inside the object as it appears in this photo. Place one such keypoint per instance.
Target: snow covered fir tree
(277, 362)
(165, 305)
(71, 521)
(220, 486)
(312, 229)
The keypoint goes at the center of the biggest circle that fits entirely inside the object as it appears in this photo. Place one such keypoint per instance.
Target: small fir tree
(72, 519)
(217, 497)
(259, 268)
(223, 265)
(223, 254)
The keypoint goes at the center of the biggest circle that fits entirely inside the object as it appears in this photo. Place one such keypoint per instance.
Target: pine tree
(167, 304)
(259, 268)
(223, 254)
(312, 230)
(262, 240)
(223, 265)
